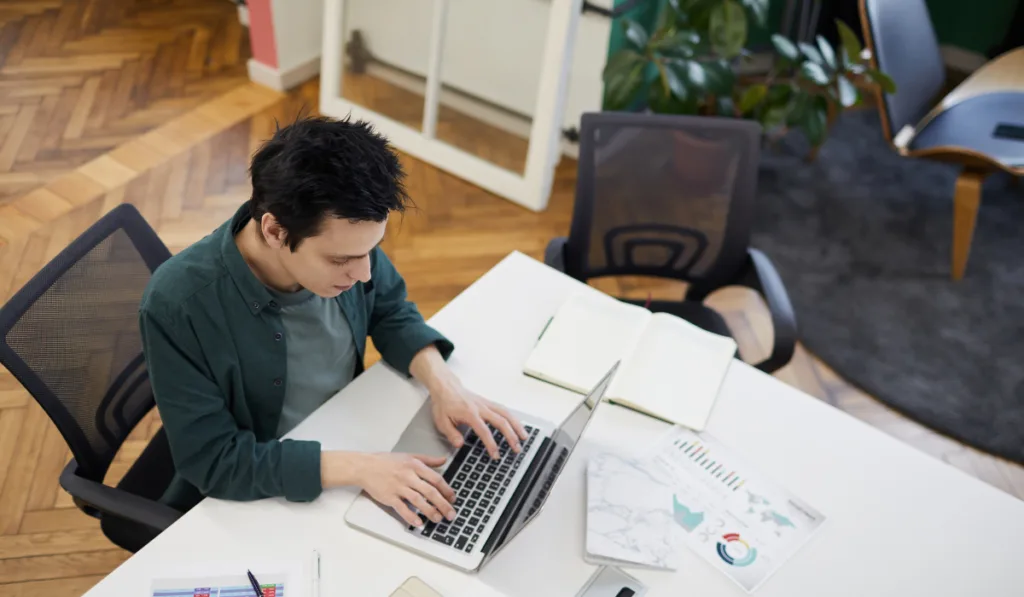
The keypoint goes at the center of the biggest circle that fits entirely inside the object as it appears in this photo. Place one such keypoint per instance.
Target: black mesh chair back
(71, 336)
(662, 195)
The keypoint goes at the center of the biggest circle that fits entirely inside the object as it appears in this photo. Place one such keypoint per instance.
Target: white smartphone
(609, 581)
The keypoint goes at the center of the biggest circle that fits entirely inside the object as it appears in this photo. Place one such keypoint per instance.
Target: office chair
(673, 197)
(71, 337)
(979, 125)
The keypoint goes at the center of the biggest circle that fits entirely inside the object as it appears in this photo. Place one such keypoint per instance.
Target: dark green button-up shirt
(215, 350)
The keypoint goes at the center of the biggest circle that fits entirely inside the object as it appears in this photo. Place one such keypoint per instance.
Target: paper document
(742, 523)
(236, 585)
(278, 577)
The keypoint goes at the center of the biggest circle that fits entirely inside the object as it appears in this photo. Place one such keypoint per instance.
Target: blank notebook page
(588, 334)
(675, 372)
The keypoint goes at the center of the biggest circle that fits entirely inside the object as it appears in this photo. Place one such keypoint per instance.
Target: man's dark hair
(318, 168)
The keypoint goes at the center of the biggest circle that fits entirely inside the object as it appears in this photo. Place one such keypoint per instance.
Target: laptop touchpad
(422, 436)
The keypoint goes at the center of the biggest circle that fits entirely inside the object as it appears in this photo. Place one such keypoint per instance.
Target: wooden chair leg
(966, 201)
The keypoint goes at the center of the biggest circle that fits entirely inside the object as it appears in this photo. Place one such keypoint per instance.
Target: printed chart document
(671, 369)
(277, 578)
(745, 525)
(236, 585)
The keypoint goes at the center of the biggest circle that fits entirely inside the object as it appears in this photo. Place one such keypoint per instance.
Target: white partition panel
(530, 188)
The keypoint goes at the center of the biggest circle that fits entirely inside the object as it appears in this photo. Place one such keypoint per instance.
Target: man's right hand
(394, 479)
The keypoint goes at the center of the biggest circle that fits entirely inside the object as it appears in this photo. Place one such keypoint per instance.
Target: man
(252, 328)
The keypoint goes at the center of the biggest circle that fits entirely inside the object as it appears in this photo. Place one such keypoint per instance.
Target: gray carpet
(861, 238)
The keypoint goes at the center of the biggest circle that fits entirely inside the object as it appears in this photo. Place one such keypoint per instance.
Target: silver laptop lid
(563, 440)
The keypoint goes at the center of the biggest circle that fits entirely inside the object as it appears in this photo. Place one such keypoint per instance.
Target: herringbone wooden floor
(80, 77)
(187, 177)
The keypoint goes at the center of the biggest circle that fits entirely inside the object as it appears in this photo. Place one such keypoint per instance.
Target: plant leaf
(812, 53)
(759, 8)
(669, 104)
(674, 80)
(620, 62)
(827, 52)
(851, 43)
(726, 107)
(816, 123)
(636, 33)
(720, 78)
(785, 47)
(779, 95)
(698, 12)
(728, 28)
(814, 72)
(682, 11)
(883, 80)
(623, 77)
(856, 68)
(697, 76)
(774, 117)
(752, 97)
(685, 38)
(798, 106)
(848, 94)
(677, 52)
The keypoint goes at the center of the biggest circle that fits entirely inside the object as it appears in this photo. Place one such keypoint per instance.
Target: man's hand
(453, 406)
(393, 480)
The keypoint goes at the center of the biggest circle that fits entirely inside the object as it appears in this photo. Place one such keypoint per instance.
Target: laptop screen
(563, 440)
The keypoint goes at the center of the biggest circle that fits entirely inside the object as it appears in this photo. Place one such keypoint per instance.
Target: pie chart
(735, 551)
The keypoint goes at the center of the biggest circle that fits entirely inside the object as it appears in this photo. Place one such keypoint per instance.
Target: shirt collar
(256, 295)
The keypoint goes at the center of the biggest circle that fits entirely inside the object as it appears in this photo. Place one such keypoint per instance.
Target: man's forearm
(339, 469)
(430, 369)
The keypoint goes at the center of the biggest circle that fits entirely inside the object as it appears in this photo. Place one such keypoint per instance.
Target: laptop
(495, 498)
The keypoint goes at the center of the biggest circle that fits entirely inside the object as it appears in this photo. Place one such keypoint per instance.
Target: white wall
(298, 31)
(492, 50)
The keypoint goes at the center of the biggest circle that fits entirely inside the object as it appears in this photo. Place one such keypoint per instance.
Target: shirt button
(272, 305)
(255, 305)
(278, 382)
(278, 336)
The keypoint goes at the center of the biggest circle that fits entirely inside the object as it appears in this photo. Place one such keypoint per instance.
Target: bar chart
(704, 458)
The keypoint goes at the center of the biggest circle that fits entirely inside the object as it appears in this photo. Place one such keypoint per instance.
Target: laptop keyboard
(480, 484)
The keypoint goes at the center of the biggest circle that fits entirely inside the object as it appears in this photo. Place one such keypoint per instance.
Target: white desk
(899, 523)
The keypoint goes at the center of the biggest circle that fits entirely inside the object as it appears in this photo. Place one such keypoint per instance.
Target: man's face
(332, 261)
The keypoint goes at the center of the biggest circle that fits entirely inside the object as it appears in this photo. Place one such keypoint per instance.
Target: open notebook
(671, 369)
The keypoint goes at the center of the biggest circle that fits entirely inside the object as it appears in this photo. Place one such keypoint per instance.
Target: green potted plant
(686, 65)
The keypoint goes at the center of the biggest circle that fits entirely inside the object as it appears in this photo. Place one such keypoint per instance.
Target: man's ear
(273, 232)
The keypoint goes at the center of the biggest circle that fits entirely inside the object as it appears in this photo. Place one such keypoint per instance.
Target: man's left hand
(453, 405)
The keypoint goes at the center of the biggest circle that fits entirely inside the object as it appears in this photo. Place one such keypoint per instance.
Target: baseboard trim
(278, 80)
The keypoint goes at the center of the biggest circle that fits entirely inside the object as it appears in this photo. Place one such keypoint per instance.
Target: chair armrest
(116, 502)
(759, 274)
(554, 253)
